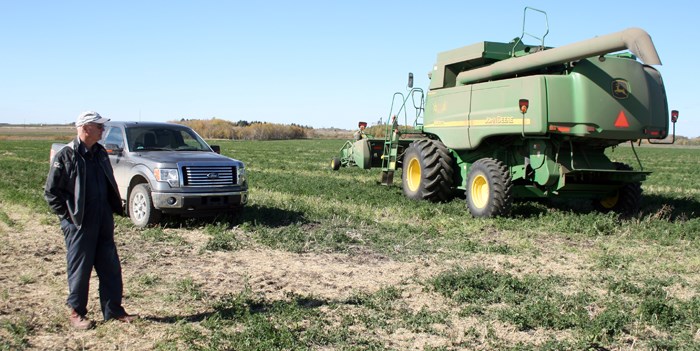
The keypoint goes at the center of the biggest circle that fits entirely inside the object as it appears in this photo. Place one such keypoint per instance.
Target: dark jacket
(65, 185)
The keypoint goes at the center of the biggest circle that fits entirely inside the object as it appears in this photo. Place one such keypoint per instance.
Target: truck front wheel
(141, 210)
(489, 188)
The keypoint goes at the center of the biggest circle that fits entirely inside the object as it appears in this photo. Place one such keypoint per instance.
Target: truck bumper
(195, 202)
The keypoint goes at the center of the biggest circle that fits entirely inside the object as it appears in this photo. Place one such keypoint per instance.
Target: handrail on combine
(391, 118)
(419, 106)
(391, 154)
(522, 35)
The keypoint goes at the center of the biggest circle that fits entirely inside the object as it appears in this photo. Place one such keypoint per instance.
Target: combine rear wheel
(626, 200)
(427, 171)
(489, 188)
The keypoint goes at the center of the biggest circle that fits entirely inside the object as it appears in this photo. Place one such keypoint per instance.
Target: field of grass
(332, 260)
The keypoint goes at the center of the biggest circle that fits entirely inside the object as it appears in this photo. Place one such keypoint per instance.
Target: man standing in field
(82, 191)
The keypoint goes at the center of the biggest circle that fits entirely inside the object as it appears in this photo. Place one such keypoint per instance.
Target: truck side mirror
(113, 149)
(410, 80)
(216, 148)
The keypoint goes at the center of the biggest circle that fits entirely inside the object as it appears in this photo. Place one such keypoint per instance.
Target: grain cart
(363, 151)
(510, 120)
(369, 152)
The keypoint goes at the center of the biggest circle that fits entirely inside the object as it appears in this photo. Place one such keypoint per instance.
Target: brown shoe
(128, 318)
(80, 322)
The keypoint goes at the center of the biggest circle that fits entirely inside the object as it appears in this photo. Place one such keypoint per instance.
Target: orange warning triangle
(621, 121)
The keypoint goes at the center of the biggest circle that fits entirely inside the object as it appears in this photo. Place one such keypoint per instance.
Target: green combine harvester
(509, 120)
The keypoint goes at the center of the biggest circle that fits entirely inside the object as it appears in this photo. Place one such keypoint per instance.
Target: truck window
(190, 140)
(159, 138)
(114, 136)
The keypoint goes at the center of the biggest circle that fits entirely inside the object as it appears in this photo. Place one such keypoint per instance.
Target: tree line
(244, 130)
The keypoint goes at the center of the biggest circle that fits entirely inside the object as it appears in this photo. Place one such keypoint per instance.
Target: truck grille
(209, 175)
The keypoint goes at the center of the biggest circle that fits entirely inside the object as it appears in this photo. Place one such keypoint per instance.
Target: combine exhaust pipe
(635, 40)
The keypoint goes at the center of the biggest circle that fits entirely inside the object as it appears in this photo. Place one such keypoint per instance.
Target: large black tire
(335, 163)
(141, 210)
(625, 201)
(428, 172)
(489, 188)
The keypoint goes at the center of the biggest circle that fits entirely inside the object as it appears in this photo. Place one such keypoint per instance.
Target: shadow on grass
(253, 214)
(529, 208)
(672, 208)
(236, 308)
(268, 217)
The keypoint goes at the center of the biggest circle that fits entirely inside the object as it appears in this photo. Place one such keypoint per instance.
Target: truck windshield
(164, 138)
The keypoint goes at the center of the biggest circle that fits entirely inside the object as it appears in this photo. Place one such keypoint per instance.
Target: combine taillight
(562, 129)
(653, 132)
(524, 104)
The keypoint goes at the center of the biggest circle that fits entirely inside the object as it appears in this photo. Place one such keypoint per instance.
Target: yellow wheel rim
(479, 191)
(413, 174)
(610, 201)
(332, 163)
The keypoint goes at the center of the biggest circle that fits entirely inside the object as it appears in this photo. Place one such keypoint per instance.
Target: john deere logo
(213, 175)
(620, 89)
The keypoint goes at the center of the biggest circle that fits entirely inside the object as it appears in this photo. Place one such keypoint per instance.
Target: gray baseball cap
(90, 117)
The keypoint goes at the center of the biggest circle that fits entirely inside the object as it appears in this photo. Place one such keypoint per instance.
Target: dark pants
(93, 246)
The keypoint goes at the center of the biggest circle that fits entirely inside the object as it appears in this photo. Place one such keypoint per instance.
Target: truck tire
(489, 188)
(141, 210)
(626, 200)
(335, 164)
(427, 171)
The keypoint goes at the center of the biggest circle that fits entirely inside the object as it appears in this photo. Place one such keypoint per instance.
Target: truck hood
(182, 156)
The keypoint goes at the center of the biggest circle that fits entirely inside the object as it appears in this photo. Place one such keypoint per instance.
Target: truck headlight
(167, 175)
(241, 175)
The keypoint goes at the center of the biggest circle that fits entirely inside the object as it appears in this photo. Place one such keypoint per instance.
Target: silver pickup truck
(168, 168)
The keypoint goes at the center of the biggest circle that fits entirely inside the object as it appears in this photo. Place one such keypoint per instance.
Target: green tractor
(508, 120)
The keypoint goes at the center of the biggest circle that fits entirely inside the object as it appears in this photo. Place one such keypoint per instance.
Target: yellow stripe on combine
(491, 121)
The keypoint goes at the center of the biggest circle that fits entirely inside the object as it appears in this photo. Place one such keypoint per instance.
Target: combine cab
(509, 120)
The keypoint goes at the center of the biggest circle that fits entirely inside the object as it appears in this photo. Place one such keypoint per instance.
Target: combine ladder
(390, 155)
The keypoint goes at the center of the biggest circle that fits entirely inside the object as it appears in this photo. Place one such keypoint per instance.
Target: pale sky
(316, 63)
